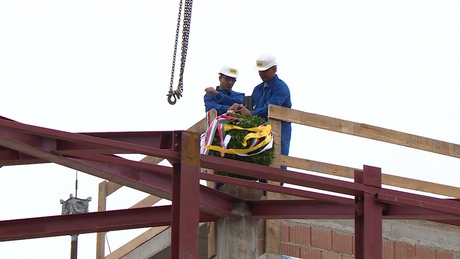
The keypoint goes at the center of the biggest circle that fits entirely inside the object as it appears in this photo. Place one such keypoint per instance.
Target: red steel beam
(279, 175)
(75, 224)
(51, 140)
(368, 216)
(185, 202)
(283, 209)
(152, 183)
(278, 189)
(161, 216)
(391, 211)
(447, 206)
(302, 179)
(300, 209)
(12, 157)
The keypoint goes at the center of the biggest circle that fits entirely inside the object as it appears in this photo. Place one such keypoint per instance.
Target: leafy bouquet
(242, 138)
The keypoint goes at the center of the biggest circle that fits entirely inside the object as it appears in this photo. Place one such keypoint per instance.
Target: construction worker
(274, 91)
(222, 97)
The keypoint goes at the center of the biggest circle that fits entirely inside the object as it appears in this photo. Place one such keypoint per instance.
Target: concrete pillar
(237, 237)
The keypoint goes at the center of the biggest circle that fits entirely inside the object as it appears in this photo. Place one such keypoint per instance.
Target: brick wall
(317, 242)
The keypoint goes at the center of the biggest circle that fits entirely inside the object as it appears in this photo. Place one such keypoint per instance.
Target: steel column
(185, 199)
(368, 216)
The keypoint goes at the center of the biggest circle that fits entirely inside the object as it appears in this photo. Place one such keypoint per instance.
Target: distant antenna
(76, 183)
(75, 205)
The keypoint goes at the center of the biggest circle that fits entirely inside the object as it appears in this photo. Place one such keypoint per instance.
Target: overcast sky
(98, 66)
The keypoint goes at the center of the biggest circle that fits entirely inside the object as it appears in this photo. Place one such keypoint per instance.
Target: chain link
(174, 95)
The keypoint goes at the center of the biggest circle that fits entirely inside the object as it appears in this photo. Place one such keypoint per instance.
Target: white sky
(97, 66)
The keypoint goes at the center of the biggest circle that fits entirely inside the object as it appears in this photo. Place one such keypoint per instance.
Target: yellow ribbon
(261, 132)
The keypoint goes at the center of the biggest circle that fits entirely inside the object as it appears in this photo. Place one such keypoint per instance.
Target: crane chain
(174, 95)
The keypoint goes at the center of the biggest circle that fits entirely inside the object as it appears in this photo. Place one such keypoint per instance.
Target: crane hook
(173, 96)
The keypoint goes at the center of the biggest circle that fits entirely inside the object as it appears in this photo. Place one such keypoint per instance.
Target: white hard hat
(229, 71)
(265, 61)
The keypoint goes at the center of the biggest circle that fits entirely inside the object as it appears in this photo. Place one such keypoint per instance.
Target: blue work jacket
(222, 100)
(276, 92)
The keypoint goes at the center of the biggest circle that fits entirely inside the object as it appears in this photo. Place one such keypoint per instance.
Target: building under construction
(324, 210)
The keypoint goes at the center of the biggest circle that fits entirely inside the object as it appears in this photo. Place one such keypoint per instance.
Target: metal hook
(171, 98)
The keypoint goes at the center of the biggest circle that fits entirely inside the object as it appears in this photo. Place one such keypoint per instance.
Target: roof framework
(365, 200)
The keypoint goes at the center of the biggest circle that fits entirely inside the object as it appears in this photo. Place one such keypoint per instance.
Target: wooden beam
(387, 179)
(272, 226)
(101, 206)
(365, 131)
(136, 242)
(147, 202)
(212, 241)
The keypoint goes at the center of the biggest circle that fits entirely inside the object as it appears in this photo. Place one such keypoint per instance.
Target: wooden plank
(319, 167)
(147, 202)
(112, 187)
(365, 131)
(212, 240)
(418, 185)
(136, 242)
(272, 226)
(152, 160)
(101, 206)
(387, 179)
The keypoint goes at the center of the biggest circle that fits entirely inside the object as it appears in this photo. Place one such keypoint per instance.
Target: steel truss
(98, 154)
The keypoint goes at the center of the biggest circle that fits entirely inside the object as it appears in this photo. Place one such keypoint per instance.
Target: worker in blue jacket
(222, 97)
(274, 91)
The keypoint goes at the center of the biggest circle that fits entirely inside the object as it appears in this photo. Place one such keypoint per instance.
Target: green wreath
(237, 138)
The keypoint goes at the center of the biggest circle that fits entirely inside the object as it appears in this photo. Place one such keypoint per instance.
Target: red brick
(292, 250)
(310, 253)
(442, 254)
(321, 238)
(404, 250)
(342, 243)
(299, 234)
(424, 252)
(388, 249)
(330, 255)
(285, 232)
(347, 257)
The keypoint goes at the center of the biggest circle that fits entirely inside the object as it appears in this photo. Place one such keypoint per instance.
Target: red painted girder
(89, 223)
(368, 215)
(276, 188)
(146, 181)
(450, 222)
(279, 175)
(145, 177)
(391, 211)
(5, 118)
(185, 199)
(447, 206)
(161, 139)
(11, 157)
(52, 140)
(122, 163)
(300, 209)
(314, 209)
